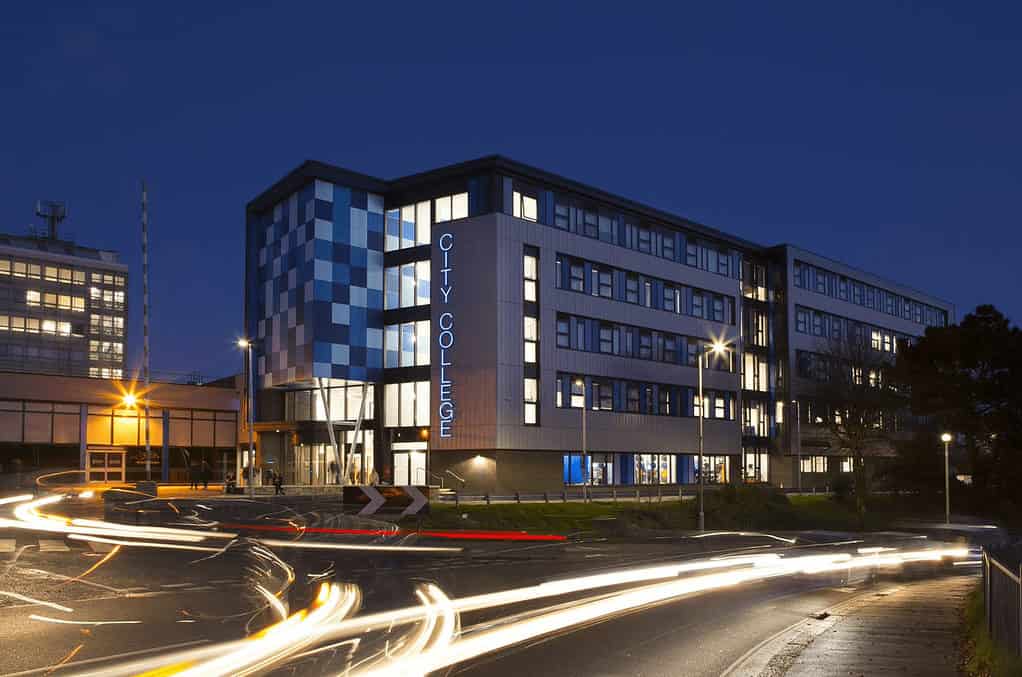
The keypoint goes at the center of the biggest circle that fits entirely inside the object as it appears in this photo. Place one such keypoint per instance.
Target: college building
(496, 328)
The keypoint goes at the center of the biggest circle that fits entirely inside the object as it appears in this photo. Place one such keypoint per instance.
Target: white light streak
(30, 600)
(47, 619)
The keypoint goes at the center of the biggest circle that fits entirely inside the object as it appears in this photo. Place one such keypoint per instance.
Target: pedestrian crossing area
(48, 545)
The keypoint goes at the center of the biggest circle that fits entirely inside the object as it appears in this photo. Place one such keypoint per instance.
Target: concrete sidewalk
(911, 628)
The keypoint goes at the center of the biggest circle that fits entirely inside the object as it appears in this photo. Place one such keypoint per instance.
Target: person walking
(204, 472)
(193, 476)
(278, 484)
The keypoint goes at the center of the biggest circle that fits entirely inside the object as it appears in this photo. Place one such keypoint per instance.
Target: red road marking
(462, 535)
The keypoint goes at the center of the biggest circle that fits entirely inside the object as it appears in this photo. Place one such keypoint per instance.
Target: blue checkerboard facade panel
(318, 306)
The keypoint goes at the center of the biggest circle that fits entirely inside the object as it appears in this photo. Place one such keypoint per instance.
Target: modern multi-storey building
(63, 308)
(516, 330)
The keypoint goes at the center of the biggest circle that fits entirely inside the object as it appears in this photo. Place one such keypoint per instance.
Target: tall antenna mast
(53, 213)
(145, 329)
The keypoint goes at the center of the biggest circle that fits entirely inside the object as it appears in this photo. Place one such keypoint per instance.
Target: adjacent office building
(63, 308)
(481, 307)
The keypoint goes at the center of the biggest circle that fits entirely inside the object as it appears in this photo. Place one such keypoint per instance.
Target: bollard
(487, 497)
(518, 497)
(613, 494)
(659, 498)
(457, 501)
(564, 497)
(546, 497)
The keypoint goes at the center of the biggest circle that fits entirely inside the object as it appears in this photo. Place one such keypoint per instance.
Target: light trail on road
(434, 641)
(28, 516)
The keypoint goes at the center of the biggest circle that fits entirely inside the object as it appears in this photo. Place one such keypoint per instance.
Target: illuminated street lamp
(585, 475)
(129, 400)
(246, 345)
(717, 348)
(946, 439)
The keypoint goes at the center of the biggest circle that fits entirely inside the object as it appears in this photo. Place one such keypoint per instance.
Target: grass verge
(749, 508)
(982, 658)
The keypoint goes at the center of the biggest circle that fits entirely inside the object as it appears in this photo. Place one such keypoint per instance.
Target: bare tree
(859, 401)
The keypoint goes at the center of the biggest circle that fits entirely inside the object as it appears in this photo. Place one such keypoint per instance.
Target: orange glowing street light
(129, 400)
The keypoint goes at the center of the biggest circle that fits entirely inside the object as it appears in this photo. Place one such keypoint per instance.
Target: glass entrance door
(106, 466)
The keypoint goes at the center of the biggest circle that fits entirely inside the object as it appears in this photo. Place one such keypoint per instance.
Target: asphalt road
(141, 601)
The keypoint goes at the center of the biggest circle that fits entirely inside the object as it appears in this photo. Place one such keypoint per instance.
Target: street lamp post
(246, 345)
(946, 439)
(717, 348)
(585, 475)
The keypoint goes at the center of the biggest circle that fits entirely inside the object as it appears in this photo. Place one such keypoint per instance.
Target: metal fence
(1002, 592)
(656, 492)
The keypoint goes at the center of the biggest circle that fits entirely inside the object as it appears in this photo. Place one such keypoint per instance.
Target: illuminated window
(814, 464)
(531, 398)
(451, 207)
(531, 332)
(531, 273)
(33, 298)
(51, 274)
(5, 267)
(523, 206)
(577, 393)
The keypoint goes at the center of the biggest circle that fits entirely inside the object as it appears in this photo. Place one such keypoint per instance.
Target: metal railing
(651, 492)
(1002, 593)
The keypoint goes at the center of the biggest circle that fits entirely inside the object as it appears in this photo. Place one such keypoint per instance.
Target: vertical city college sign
(445, 337)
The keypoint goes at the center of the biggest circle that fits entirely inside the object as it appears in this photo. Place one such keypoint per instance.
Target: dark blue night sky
(884, 134)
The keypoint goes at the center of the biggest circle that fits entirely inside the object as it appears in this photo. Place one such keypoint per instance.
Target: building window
(578, 397)
(846, 464)
(406, 404)
(590, 222)
(531, 275)
(451, 207)
(632, 288)
(531, 330)
(563, 333)
(407, 285)
(814, 464)
(562, 216)
(667, 250)
(531, 397)
(632, 398)
(523, 206)
(605, 286)
(606, 339)
(407, 227)
(647, 297)
(577, 273)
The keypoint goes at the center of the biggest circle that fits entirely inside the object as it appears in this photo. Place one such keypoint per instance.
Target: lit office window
(578, 397)
(846, 464)
(406, 345)
(523, 206)
(451, 207)
(408, 226)
(422, 280)
(406, 404)
(422, 223)
(531, 332)
(814, 464)
(531, 274)
(33, 298)
(531, 397)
